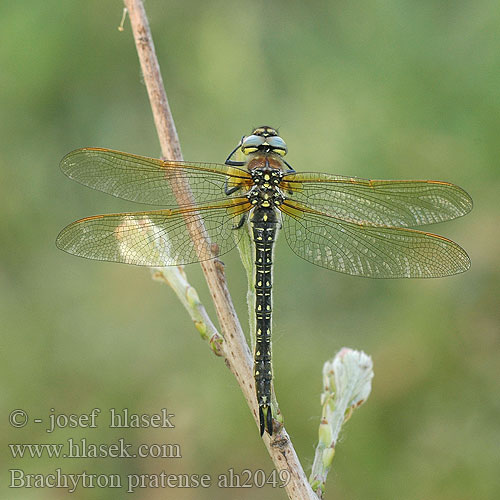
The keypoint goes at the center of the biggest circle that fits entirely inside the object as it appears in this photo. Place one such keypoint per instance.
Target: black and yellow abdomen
(265, 224)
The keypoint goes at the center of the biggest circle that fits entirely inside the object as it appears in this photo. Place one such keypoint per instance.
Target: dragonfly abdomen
(264, 226)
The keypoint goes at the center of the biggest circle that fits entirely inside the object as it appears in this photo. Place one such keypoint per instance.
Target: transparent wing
(157, 238)
(149, 180)
(367, 250)
(383, 203)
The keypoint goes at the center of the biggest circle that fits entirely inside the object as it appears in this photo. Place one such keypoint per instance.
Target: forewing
(157, 238)
(379, 202)
(149, 180)
(367, 250)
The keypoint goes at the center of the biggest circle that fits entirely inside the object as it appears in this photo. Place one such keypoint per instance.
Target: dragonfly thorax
(266, 177)
(265, 193)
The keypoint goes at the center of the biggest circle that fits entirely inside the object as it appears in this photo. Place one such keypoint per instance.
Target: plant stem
(234, 348)
(175, 277)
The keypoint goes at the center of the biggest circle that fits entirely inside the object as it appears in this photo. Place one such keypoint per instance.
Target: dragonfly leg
(291, 170)
(231, 190)
(240, 222)
(232, 162)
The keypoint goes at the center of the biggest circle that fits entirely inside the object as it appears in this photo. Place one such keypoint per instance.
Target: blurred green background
(388, 89)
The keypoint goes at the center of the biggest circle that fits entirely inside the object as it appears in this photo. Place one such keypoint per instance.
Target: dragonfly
(350, 225)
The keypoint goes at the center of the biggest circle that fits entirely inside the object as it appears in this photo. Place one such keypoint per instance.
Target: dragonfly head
(264, 139)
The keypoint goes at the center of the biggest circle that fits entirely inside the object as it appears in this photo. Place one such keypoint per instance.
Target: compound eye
(251, 143)
(278, 145)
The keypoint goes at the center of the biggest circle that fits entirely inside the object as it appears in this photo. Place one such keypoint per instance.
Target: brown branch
(234, 348)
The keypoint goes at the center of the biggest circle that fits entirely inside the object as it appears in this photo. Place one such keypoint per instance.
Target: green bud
(325, 434)
(202, 328)
(192, 296)
(327, 457)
